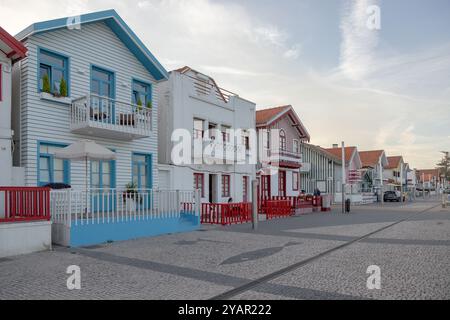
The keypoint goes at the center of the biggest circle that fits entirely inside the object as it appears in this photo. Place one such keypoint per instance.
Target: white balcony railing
(109, 118)
(284, 155)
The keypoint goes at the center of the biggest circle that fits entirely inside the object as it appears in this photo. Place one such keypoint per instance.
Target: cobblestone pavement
(414, 257)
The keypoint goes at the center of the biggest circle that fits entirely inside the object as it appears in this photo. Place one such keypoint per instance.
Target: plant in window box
(46, 84)
(63, 88)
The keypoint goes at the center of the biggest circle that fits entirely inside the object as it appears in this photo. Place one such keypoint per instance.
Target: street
(316, 256)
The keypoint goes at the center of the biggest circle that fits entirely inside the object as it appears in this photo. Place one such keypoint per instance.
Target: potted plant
(46, 84)
(63, 88)
(130, 196)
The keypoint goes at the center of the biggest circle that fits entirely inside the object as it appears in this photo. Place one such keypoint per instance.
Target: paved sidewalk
(414, 257)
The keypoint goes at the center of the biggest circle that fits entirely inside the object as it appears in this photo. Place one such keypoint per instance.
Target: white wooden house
(193, 102)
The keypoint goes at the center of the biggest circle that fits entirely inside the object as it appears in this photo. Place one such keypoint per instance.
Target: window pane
(95, 181)
(56, 78)
(95, 167)
(59, 164)
(106, 180)
(95, 87)
(100, 75)
(105, 89)
(52, 60)
(44, 176)
(43, 163)
(58, 176)
(106, 167)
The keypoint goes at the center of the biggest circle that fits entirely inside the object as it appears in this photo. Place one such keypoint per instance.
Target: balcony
(108, 118)
(284, 158)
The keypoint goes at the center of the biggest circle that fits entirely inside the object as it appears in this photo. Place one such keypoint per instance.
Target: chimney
(335, 146)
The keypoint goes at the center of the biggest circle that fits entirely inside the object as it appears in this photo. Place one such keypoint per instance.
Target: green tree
(46, 83)
(444, 166)
(63, 88)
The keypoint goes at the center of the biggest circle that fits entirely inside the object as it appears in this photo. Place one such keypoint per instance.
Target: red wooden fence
(24, 204)
(278, 209)
(226, 214)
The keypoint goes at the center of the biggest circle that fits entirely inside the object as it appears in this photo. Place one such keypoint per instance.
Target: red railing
(300, 202)
(226, 214)
(278, 209)
(24, 204)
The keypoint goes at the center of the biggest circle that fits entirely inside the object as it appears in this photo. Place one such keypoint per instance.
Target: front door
(102, 186)
(265, 187)
(142, 178)
(102, 90)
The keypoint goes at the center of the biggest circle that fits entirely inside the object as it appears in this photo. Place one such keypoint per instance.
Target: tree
(444, 166)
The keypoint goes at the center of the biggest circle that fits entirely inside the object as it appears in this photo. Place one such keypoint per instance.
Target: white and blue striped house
(108, 72)
(110, 96)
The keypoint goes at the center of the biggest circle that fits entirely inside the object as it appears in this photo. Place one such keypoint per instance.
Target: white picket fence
(70, 207)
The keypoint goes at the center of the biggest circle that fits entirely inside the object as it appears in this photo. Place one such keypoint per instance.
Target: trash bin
(326, 203)
(348, 205)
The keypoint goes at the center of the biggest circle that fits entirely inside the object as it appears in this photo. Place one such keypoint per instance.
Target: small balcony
(108, 118)
(284, 158)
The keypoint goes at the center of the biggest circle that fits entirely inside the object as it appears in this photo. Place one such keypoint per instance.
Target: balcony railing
(109, 118)
(280, 155)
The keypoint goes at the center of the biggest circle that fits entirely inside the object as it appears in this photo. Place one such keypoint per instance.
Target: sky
(386, 88)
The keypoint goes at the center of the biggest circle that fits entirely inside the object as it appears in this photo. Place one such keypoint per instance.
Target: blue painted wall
(86, 235)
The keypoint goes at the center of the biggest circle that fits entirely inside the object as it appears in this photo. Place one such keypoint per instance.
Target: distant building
(353, 179)
(373, 164)
(280, 135)
(430, 179)
(395, 173)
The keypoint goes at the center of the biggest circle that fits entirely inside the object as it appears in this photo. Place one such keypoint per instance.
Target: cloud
(372, 99)
(358, 41)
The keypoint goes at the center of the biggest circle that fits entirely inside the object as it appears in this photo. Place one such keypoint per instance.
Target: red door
(282, 183)
(265, 187)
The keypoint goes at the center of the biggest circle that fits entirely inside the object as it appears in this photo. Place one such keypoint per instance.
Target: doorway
(213, 196)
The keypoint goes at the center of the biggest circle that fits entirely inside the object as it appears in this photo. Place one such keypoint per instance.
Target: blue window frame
(142, 170)
(142, 92)
(56, 67)
(103, 174)
(51, 169)
(103, 93)
(102, 82)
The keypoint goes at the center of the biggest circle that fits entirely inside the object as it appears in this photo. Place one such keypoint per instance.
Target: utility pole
(381, 183)
(344, 178)
(401, 180)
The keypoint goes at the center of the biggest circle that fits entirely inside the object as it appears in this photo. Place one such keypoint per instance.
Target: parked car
(447, 190)
(390, 196)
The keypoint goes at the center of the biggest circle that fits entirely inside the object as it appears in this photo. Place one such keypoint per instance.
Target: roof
(428, 173)
(394, 162)
(264, 117)
(371, 158)
(117, 25)
(220, 91)
(337, 152)
(11, 47)
(324, 152)
(268, 116)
